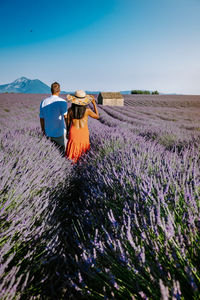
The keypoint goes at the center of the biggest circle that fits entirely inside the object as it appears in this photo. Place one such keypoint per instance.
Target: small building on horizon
(111, 98)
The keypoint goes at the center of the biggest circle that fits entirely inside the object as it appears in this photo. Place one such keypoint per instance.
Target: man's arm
(42, 118)
(67, 118)
(42, 125)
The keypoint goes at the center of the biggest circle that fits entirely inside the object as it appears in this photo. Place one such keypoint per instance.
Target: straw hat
(80, 98)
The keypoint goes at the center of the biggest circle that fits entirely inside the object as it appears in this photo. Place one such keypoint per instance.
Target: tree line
(144, 92)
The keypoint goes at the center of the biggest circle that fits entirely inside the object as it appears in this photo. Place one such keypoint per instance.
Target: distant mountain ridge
(36, 86)
(33, 86)
(25, 85)
(30, 86)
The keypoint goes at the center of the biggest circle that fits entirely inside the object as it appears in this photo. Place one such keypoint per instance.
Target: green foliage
(140, 92)
(145, 92)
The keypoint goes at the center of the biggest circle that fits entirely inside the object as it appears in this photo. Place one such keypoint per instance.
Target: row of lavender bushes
(34, 176)
(122, 224)
(131, 229)
(167, 134)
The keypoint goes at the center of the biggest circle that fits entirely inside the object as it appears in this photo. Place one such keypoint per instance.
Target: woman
(77, 124)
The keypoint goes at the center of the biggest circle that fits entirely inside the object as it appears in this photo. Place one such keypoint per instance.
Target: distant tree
(140, 92)
(147, 92)
(135, 92)
(155, 93)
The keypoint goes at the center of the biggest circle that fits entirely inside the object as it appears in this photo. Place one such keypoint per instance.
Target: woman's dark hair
(78, 111)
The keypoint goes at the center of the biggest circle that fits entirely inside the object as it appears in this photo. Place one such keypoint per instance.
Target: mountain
(97, 92)
(25, 85)
(125, 92)
(92, 92)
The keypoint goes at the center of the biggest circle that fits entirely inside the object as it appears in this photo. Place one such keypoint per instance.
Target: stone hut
(110, 98)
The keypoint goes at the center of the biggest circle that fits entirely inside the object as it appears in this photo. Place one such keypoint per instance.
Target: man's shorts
(60, 141)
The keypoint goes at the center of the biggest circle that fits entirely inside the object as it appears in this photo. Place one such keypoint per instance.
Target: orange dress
(78, 142)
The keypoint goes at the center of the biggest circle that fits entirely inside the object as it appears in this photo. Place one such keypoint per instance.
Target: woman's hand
(94, 115)
(93, 101)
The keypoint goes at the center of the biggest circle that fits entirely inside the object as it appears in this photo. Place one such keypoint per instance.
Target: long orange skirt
(78, 143)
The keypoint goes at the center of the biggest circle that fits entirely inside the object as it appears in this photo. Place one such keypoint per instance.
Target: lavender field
(121, 224)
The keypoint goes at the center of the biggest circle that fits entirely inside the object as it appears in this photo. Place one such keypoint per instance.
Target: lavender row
(166, 134)
(33, 177)
(147, 241)
(135, 230)
(163, 100)
(124, 225)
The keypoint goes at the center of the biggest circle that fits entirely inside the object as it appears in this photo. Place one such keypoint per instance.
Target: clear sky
(107, 45)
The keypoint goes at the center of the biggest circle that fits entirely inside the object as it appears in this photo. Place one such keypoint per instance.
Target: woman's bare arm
(94, 115)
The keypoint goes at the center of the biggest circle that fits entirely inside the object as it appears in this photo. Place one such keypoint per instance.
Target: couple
(55, 119)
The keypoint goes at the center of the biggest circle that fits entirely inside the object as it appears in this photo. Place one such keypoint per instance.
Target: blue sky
(107, 45)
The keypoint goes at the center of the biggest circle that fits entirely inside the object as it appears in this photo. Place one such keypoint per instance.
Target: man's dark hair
(78, 111)
(55, 87)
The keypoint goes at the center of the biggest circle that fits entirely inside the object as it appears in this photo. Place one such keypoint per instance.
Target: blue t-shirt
(52, 110)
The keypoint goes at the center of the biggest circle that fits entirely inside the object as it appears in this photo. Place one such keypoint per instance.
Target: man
(53, 113)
